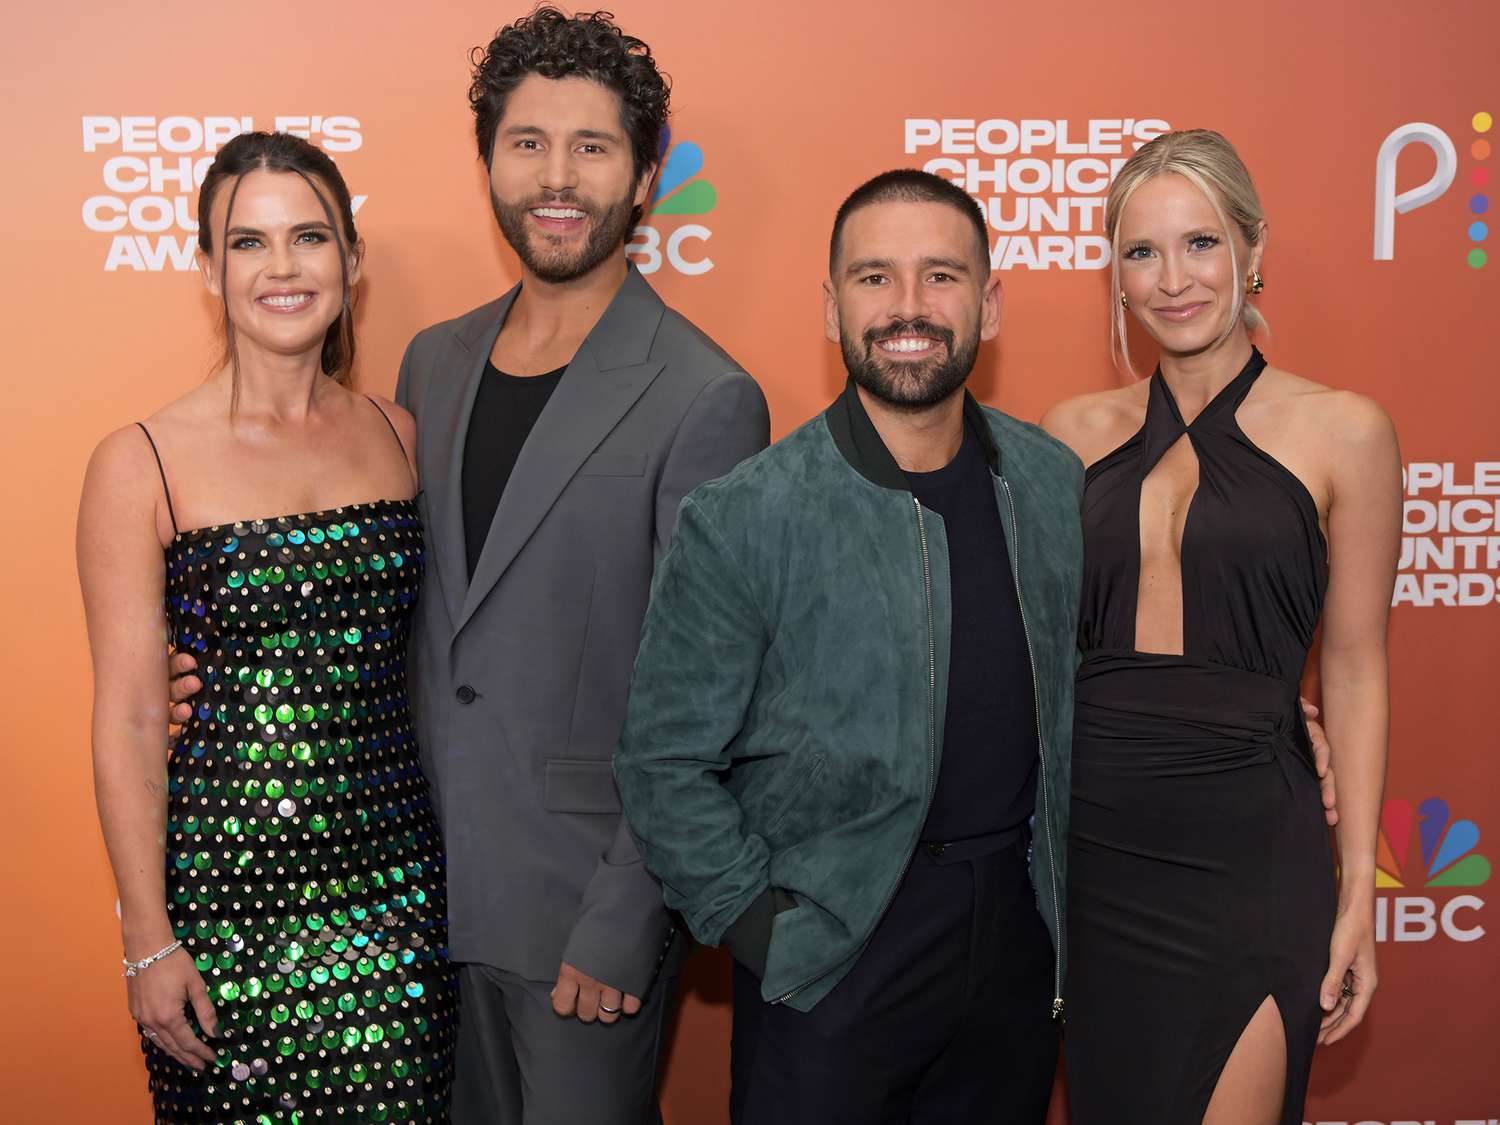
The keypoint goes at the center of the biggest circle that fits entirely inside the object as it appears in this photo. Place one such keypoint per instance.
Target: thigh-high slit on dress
(1201, 876)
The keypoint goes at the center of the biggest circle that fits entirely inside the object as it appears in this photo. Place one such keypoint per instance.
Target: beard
(909, 384)
(542, 254)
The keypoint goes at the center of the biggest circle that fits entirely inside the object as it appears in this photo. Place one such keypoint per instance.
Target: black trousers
(945, 1019)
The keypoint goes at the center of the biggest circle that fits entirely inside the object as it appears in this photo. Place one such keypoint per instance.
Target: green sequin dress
(304, 864)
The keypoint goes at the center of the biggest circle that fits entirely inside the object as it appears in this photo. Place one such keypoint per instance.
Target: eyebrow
(1192, 232)
(296, 229)
(538, 131)
(862, 264)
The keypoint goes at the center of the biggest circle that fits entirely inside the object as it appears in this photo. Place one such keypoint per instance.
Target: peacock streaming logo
(678, 193)
(1390, 203)
(1426, 848)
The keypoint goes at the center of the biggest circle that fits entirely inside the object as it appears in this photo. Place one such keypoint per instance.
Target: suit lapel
(608, 375)
(446, 433)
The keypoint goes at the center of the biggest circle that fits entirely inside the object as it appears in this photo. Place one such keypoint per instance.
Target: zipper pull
(1057, 1007)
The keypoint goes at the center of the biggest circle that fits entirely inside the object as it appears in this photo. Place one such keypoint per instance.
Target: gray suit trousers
(519, 1063)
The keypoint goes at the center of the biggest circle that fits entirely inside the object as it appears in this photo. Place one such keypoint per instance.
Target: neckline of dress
(1242, 383)
(189, 532)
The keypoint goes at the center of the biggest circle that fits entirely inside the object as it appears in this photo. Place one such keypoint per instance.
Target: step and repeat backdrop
(1370, 129)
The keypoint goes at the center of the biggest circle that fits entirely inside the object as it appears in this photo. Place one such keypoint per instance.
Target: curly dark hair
(588, 45)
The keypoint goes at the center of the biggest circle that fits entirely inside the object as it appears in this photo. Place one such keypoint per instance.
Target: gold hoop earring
(1254, 283)
(1124, 304)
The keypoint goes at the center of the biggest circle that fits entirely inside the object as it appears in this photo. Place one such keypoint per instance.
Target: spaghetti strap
(162, 470)
(399, 443)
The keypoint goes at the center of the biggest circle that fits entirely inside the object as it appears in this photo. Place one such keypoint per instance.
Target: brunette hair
(283, 152)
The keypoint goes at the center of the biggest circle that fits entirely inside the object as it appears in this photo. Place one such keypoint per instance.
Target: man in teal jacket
(846, 750)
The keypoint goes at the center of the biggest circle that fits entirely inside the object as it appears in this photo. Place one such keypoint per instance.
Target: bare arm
(1364, 536)
(122, 573)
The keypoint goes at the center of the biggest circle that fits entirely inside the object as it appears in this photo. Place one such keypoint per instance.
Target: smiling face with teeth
(562, 177)
(909, 302)
(279, 274)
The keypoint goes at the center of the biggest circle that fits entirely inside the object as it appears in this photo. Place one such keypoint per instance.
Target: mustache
(918, 326)
(565, 198)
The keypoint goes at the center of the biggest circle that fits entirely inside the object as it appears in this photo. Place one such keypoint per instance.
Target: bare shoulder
(400, 417)
(405, 425)
(1093, 424)
(122, 482)
(122, 454)
(1346, 419)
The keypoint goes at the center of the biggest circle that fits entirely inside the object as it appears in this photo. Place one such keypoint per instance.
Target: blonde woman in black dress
(1231, 509)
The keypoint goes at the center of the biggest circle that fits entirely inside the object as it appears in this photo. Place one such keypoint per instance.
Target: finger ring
(603, 1007)
(1347, 990)
(151, 1035)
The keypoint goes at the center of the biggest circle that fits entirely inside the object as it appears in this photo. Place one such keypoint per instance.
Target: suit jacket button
(466, 694)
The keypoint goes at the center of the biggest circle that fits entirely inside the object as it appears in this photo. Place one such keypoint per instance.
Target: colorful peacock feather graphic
(1447, 848)
(680, 164)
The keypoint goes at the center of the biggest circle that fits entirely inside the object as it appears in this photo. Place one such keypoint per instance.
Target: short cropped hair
(910, 185)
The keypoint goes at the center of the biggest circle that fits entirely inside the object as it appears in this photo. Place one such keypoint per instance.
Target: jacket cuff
(748, 937)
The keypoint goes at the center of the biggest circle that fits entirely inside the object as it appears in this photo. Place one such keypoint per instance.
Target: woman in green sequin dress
(290, 845)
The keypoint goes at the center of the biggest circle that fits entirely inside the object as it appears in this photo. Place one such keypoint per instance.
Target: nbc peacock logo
(1427, 849)
(679, 192)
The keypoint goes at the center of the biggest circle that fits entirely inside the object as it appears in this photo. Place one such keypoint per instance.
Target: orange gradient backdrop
(791, 105)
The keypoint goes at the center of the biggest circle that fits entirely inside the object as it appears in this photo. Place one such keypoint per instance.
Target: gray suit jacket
(519, 677)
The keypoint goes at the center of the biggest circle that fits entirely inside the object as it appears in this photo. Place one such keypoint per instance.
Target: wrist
(1356, 895)
(143, 937)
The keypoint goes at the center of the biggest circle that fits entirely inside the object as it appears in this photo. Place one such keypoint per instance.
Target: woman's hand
(159, 995)
(1351, 961)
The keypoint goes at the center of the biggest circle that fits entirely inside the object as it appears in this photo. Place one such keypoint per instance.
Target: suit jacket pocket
(580, 786)
(614, 465)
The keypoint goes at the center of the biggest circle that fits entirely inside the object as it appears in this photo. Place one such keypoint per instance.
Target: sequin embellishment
(304, 865)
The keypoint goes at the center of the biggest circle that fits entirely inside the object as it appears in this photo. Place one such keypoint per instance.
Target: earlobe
(1259, 251)
(643, 188)
(205, 267)
(356, 262)
(994, 299)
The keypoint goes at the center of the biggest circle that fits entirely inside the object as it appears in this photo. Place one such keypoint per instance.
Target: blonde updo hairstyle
(1208, 162)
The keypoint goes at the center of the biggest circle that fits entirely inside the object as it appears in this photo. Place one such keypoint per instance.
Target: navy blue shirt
(987, 780)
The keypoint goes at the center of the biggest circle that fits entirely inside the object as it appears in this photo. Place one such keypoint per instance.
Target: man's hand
(578, 994)
(182, 685)
(1321, 756)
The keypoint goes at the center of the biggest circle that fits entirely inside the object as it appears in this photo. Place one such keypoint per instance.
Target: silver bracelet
(133, 967)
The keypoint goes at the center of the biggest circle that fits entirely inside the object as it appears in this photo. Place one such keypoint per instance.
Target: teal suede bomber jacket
(785, 724)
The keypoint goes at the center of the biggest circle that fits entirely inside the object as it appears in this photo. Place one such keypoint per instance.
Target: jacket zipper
(931, 744)
(1015, 567)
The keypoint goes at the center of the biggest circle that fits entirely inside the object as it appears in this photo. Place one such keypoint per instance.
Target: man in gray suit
(558, 428)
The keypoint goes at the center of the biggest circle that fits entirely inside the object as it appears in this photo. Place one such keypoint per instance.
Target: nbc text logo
(1438, 855)
(677, 193)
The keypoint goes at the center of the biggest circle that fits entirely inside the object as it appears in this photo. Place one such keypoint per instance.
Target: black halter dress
(1200, 871)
